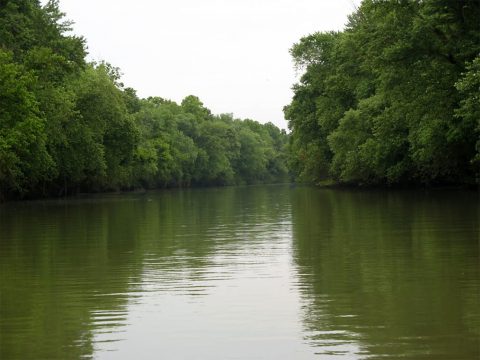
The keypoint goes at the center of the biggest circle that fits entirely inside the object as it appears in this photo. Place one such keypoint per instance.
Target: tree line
(393, 99)
(69, 126)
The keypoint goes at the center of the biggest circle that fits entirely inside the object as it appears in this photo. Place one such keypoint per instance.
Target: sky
(232, 54)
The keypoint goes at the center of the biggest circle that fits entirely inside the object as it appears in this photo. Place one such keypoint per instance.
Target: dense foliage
(69, 126)
(392, 99)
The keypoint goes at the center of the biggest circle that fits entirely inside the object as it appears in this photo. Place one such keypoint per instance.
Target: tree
(67, 126)
(468, 114)
(109, 134)
(376, 104)
(24, 160)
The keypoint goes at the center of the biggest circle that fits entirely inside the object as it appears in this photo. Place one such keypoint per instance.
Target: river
(260, 272)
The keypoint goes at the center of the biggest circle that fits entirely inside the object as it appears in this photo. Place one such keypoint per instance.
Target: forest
(69, 126)
(392, 100)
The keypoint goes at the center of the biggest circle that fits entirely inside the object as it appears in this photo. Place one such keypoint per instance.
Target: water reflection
(388, 275)
(63, 269)
(247, 273)
(83, 278)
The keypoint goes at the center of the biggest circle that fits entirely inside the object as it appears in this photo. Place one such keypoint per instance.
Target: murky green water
(242, 273)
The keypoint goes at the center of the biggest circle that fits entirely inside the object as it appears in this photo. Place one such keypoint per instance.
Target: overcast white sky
(232, 54)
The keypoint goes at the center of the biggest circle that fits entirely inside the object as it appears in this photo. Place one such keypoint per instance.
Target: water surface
(267, 272)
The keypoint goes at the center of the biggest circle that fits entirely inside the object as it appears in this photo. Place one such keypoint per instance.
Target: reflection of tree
(185, 230)
(62, 265)
(395, 272)
(68, 270)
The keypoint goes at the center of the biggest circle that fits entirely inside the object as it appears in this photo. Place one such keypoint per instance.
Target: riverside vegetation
(68, 126)
(393, 99)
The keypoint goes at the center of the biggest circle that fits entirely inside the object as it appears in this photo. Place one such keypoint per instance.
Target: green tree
(109, 135)
(67, 126)
(468, 113)
(24, 160)
(376, 104)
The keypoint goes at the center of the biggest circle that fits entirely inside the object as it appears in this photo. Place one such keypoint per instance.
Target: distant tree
(68, 126)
